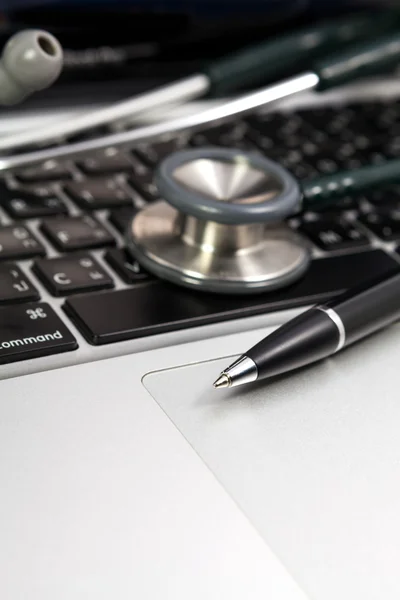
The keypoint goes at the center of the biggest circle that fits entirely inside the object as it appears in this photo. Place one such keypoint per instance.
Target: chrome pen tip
(223, 381)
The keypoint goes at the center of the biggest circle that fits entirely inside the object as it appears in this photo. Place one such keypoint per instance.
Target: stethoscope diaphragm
(219, 227)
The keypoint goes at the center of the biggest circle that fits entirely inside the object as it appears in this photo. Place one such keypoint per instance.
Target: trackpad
(313, 459)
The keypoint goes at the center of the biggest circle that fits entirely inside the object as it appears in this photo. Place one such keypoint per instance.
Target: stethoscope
(359, 60)
(221, 224)
(255, 65)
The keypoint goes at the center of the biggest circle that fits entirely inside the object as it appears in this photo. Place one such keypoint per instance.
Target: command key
(32, 330)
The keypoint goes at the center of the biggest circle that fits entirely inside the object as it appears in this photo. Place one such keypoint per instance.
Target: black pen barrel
(370, 307)
(323, 330)
(311, 336)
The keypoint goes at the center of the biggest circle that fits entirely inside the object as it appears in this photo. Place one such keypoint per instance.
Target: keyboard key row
(350, 135)
(69, 234)
(334, 234)
(84, 232)
(23, 204)
(68, 275)
(384, 225)
(66, 234)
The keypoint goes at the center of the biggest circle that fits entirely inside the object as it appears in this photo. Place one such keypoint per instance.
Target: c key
(72, 274)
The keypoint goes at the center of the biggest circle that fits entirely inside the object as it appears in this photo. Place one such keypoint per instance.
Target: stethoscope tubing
(323, 191)
(364, 59)
(241, 106)
(259, 63)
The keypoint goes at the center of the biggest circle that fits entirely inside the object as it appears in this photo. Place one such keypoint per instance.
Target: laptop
(123, 474)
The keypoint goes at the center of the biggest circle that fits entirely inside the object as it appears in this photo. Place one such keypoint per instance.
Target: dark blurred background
(117, 48)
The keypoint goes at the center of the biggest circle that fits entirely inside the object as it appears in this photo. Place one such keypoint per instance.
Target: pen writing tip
(223, 381)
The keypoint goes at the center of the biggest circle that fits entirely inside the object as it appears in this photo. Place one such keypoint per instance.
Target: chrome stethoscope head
(220, 227)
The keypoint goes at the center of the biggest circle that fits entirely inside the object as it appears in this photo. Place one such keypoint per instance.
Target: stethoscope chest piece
(220, 226)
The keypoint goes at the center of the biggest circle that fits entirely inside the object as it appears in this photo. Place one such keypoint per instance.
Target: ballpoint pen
(319, 332)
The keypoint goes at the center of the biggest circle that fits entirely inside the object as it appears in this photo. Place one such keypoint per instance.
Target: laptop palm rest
(312, 458)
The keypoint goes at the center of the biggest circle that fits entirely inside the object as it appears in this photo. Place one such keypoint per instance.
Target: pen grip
(268, 60)
(309, 337)
(361, 60)
(323, 191)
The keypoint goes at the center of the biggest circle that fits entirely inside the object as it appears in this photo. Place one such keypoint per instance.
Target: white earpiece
(31, 61)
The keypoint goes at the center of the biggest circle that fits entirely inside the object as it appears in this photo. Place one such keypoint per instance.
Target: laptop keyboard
(63, 224)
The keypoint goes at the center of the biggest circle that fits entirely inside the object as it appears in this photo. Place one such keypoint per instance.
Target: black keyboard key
(350, 164)
(341, 122)
(290, 132)
(231, 135)
(15, 287)
(43, 190)
(388, 116)
(51, 170)
(126, 267)
(72, 274)
(293, 124)
(142, 183)
(21, 204)
(76, 233)
(266, 144)
(97, 193)
(109, 160)
(267, 125)
(19, 242)
(324, 163)
(32, 330)
(386, 198)
(157, 307)
(152, 154)
(303, 170)
(334, 234)
(342, 204)
(370, 110)
(385, 225)
(121, 218)
(318, 117)
(391, 149)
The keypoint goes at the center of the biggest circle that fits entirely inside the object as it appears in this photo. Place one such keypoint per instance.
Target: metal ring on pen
(339, 324)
